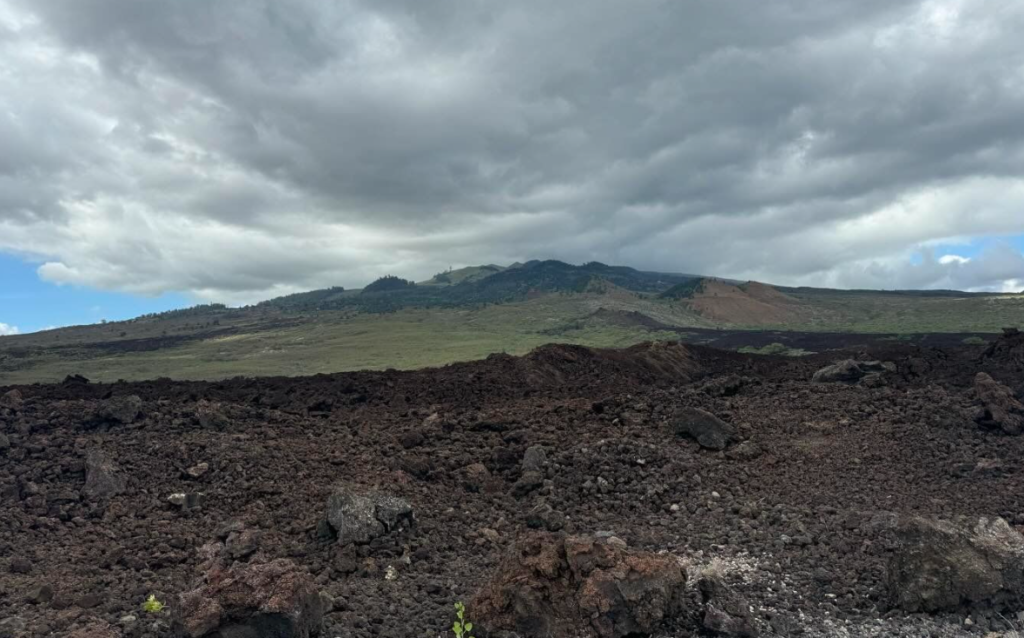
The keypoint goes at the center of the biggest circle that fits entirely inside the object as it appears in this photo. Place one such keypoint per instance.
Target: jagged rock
(124, 410)
(5, 443)
(946, 566)
(534, 459)
(725, 612)
(708, 430)
(725, 386)
(11, 399)
(359, 518)
(12, 627)
(211, 416)
(40, 595)
(527, 483)
(1008, 349)
(20, 565)
(187, 501)
(242, 544)
(850, 371)
(476, 477)
(274, 599)
(1000, 408)
(552, 585)
(198, 470)
(103, 478)
(543, 516)
(412, 439)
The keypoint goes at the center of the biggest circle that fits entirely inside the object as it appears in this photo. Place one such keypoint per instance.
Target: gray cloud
(237, 150)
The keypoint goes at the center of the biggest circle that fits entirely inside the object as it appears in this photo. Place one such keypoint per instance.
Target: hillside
(483, 310)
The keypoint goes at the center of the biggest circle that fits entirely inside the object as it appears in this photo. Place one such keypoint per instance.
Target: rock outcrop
(947, 566)
(360, 518)
(725, 612)
(706, 428)
(999, 408)
(1007, 349)
(554, 585)
(251, 600)
(852, 371)
(123, 410)
(103, 478)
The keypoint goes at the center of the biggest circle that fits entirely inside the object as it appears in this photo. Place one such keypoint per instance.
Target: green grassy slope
(488, 310)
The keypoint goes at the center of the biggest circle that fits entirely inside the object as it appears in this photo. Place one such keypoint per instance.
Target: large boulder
(361, 517)
(947, 566)
(103, 478)
(1007, 349)
(850, 371)
(708, 430)
(267, 600)
(593, 587)
(11, 399)
(211, 415)
(535, 459)
(122, 410)
(999, 407)
(726, 613)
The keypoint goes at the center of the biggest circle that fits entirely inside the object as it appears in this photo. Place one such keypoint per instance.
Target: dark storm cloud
(266, 146)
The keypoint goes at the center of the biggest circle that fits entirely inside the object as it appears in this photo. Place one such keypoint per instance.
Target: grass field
(261, 341)
(413, 338)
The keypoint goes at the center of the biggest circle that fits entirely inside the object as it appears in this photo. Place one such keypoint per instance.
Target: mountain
(471, 312)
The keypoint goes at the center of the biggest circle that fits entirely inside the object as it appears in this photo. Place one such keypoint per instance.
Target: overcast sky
(231, 151)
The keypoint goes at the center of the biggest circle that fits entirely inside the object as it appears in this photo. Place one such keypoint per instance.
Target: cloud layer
(6, 330)
(240, 150)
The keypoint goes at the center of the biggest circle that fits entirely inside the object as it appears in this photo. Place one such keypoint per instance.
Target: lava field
(701, 471)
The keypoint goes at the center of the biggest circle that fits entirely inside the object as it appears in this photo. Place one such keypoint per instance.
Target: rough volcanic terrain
(790, 501)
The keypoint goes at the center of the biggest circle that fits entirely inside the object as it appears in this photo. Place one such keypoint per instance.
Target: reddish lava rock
(553, 585)
(269, 599)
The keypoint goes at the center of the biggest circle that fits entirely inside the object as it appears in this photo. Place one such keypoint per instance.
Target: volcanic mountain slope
(798, 520)
(483, 310)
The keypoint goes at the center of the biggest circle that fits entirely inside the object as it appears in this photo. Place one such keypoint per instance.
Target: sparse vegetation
(461, 627)
(685, 290)
(975, 341)
(152, 605)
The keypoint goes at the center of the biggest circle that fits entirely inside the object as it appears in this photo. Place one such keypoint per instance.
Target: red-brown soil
(802, 530)
(750, 304)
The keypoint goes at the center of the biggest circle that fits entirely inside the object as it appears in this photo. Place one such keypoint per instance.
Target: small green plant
(975, 341)
(152, 605)
(460, 626)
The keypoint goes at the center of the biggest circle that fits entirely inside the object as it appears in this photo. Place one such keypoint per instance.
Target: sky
(156, 154)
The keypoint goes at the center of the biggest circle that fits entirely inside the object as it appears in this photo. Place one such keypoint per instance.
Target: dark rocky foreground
(662, 490)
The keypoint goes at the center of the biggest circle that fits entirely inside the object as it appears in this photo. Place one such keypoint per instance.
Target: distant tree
(389, 283)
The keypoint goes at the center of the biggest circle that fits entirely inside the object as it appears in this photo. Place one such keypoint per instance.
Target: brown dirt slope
(750, 304)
